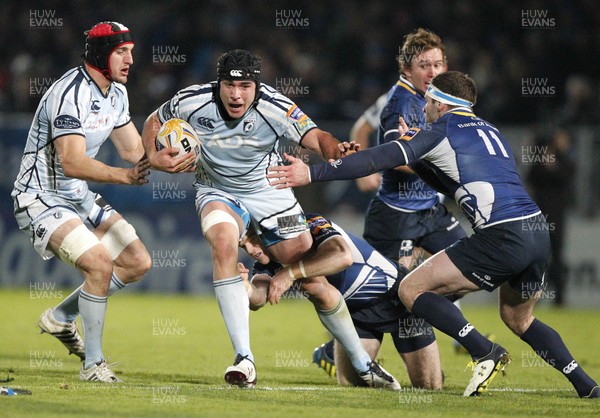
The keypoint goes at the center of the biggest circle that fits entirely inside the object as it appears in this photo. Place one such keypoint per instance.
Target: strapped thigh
(118, 237)
(75, 243)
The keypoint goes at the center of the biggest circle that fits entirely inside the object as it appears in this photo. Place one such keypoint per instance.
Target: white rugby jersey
(73, 105)
(373, 113)
(235, 154)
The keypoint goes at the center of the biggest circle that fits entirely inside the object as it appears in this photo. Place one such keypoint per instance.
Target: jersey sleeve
(320, 229)
(66, 110)
(411, 146)
(286, 118)
(124, 116)
(183, 103)
(411, 111)
(373, 113)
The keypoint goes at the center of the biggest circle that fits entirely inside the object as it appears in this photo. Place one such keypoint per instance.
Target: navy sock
(445, 316)
(548, 344)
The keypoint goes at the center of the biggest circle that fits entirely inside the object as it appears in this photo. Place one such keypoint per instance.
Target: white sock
(339, 323)
(92, 309)
(235, 309)
(68, 309)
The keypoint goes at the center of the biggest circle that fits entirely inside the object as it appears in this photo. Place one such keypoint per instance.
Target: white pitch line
(283, 388)
(530, 390)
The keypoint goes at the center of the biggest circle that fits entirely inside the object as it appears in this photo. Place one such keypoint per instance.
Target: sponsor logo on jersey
(67, 122)
(249, 124)
(113, 100)
(295, 113)
(289, 224)
(317, 223)
(206, 123)
(410, 134)
(94, 107)
(57, 215)
(336, 163)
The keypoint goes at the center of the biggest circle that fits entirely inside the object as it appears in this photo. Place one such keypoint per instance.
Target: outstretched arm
(326, 146)
(357, 165)
(354, 166)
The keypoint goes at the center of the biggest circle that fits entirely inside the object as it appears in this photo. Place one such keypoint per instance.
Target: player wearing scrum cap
(239, 122)
(54, 206)
(467, 158)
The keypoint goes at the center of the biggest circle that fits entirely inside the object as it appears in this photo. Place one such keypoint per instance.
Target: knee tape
(118, 237)
(216, 217)
(75, 243)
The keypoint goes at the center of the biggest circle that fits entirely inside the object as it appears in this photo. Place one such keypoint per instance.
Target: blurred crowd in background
(340, 54)
(535, 62)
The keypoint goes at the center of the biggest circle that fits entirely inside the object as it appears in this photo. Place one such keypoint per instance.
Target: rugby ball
(177, 133)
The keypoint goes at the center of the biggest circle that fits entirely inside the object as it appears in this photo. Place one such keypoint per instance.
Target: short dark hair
(456, 84)
(417, 42)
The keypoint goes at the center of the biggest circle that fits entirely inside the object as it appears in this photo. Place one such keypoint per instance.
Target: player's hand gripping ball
(177, 133)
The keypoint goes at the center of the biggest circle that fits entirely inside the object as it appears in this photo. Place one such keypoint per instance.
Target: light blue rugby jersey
(235, 154)
(73, 105)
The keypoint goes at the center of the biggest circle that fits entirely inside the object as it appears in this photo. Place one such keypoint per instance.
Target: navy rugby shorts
(395, 233)
(516, 252)
(389, 316)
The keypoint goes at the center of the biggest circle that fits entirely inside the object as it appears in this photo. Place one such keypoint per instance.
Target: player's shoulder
(200, 93)
(463, 117)
(316, 220)
(75, 79)
(74, 88)
(320, 227)
(402, 100)
(405, 91)
(120, 89)
(269, 98)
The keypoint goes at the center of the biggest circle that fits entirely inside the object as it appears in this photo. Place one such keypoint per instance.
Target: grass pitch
(172, 352)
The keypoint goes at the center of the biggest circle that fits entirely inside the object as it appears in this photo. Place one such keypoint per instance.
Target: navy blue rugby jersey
(462, 155)
(369, 277)
(400, 190)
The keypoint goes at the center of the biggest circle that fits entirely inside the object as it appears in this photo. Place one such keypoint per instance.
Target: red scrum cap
(101, 41)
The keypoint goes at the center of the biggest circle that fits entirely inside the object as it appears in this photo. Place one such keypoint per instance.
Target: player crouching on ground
(343, 264)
